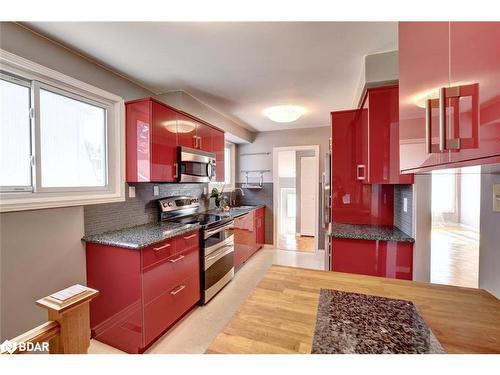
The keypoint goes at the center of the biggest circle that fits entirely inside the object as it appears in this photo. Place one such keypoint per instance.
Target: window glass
(72, 142)
(15, 145)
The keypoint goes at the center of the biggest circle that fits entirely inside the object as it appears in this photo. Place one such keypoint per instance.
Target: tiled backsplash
(403, 220)
(141, 209)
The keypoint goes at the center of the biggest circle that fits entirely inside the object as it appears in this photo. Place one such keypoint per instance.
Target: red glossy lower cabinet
(166, 309)
(249, 232)
(142, 292)
(375, 258)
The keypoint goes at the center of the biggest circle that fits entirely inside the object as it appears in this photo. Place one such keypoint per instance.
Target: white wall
(265, 141)
(41, 251)
(489, 240)
(470, 196)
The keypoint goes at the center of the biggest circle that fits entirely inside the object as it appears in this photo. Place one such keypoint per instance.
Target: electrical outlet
(156, 190)
(405, 204)
(496, 197)
(131, 191)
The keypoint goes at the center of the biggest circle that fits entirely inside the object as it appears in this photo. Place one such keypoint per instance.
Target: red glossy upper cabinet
(380, 139)
(350, 198)
(474, 131)
(150, 141)
(219, 147)
(163, 144)
(423, 70)
(138, 140)
(205, 137)
(187, 129)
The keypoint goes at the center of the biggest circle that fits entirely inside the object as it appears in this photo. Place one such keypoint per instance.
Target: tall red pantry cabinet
(449, 78)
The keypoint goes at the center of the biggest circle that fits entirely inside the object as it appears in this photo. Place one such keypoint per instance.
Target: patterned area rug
(363, 324)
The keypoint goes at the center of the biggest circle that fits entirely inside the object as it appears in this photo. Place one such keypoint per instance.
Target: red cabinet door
(475, 59)
(219, 148)
(163, 143)
(138, 141)
(187, 131)
(260, 226)
(353, 201)
(374, 258)
(244, 238)
(205, 135)
(423, 69)
(381, 137)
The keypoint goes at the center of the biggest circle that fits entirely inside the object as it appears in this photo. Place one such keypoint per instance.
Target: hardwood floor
(280, 315)
(296, 243)
(455, 256)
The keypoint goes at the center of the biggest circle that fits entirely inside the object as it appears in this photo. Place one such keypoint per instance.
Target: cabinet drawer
(164, 275)
(157, 252)
(187, 241)
(170, 306)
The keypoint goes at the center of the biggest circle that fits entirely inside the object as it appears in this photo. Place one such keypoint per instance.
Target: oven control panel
(179, 203)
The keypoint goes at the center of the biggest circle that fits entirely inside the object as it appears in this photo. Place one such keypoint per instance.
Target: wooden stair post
(70, 308)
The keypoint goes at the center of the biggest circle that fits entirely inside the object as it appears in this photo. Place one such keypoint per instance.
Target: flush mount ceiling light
(284, 113)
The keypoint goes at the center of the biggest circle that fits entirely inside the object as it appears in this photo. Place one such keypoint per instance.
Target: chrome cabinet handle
(176, 169)
(442, 119)
(176, 259)
(201, 143)
(191, 236)
(195, 140)
(360, 167)
(161, 247)
(177, 290)
(428, 125)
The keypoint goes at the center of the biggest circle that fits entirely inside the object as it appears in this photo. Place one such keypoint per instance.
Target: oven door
(219, 270)
(214, 238)
(196, 165)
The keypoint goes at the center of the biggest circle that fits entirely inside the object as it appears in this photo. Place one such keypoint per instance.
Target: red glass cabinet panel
(475, 59)
(462, 58)
(151, 141)
(141, 294)
(219, 145)
(423, 69)
(187, 129)
(375, 258)
(163, 143)
(138, 141)
(352, 201)
(205, 137)
(380, 138)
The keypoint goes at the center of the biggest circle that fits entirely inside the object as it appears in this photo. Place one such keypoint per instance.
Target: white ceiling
(238, 68)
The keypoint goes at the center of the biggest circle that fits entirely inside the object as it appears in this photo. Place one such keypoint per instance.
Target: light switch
(156, 190)
(405, 204)
(496, 197)
(131, 191)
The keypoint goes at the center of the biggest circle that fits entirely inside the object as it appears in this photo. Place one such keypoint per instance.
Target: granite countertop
(142, 235)
(369, 232)
(365, 324)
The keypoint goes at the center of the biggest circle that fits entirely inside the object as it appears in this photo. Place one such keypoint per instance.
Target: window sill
(42, 202)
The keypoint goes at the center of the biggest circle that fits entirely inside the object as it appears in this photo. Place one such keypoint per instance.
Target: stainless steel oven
(218, 259)
(195, 165)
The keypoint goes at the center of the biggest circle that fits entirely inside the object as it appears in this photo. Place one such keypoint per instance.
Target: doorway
(296, 192)
(455, 226)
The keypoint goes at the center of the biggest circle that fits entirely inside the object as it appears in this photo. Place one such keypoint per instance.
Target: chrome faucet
(233, 196)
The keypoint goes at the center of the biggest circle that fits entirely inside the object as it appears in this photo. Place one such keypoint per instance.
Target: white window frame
(232, 172)
(59, 83)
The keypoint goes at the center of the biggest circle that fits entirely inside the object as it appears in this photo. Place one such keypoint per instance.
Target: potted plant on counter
(218, 195)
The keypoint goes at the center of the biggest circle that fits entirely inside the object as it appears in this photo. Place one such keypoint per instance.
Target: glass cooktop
(205, 220)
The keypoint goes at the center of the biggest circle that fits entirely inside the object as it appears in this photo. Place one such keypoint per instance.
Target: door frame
(276, 196)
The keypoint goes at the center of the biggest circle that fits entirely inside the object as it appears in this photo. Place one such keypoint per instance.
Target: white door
(307, 196)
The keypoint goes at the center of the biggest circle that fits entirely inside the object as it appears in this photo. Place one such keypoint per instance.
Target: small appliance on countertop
(216, 241)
